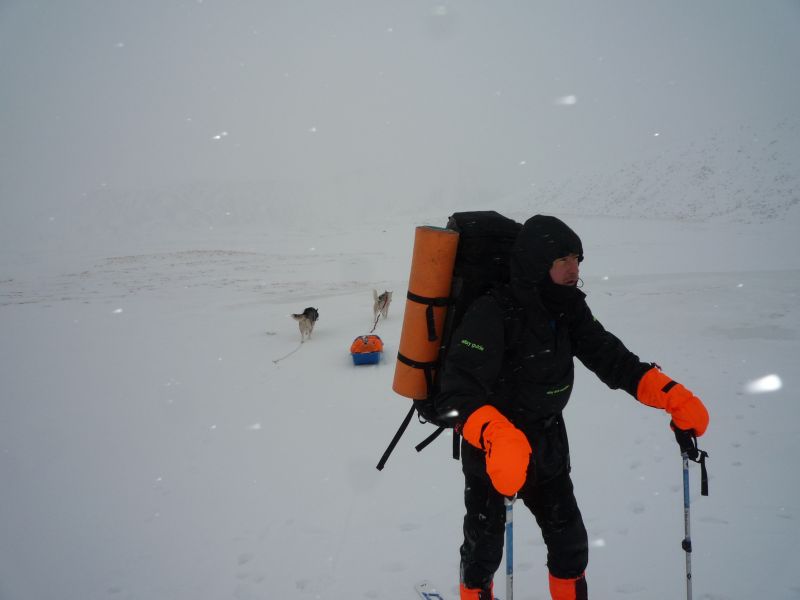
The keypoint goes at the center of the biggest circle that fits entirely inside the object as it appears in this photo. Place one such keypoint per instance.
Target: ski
(427, 591)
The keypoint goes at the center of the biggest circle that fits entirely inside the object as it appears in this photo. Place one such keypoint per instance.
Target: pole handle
(687, 440)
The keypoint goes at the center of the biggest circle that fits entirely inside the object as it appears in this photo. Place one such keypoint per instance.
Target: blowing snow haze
(189, 105)
(178, 176)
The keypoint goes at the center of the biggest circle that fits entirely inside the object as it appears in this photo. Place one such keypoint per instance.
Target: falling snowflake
(762, 385)
(567, 100)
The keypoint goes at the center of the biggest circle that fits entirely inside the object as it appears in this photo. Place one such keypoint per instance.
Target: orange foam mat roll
(426, 306)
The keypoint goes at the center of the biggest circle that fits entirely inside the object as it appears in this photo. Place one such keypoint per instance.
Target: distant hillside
(742, 176)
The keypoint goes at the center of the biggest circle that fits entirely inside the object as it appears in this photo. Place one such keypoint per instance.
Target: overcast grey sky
(495, 95)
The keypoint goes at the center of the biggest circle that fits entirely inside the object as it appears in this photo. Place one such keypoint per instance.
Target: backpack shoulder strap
(514, 324)
(513, 315)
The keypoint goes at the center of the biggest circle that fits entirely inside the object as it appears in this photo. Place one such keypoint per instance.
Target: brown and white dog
(381, 302)
(306, 320)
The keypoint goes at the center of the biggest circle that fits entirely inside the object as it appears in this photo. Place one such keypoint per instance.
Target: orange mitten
(507, 449)
(658, 390)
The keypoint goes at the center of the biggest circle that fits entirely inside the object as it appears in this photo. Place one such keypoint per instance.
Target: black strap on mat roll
(430, 303)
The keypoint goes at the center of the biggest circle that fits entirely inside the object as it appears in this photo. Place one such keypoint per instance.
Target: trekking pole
(687, 539)
(689, 451)
(509, 548)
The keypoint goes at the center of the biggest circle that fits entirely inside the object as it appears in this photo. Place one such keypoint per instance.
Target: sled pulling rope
(375, 324)
(277, 360)
(378, 316)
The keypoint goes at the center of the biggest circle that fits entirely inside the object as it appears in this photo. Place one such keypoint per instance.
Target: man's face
(565, 270)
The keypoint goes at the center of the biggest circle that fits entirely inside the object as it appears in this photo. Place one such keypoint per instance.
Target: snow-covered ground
(151, 448)
(176, 178)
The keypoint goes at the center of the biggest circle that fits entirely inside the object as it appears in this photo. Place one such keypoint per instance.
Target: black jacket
(514, 348)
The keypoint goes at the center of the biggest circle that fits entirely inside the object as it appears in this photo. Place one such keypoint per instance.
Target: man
(505, 383)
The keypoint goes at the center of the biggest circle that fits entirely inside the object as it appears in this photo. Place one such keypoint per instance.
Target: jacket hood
(541, 240)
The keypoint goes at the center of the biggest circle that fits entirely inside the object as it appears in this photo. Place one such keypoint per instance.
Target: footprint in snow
(714, 521)
(636, 508)
(629, 588)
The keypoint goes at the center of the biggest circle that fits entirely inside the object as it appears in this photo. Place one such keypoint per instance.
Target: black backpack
(481, 266)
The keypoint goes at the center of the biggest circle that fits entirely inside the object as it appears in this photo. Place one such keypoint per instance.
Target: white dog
(306, 320)
(381, 302)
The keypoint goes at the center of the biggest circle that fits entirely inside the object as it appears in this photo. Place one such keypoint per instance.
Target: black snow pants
(553, 505)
